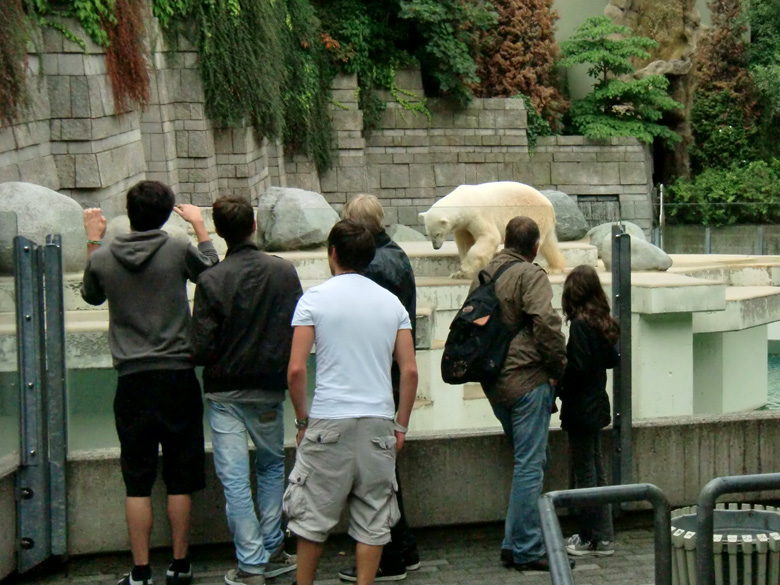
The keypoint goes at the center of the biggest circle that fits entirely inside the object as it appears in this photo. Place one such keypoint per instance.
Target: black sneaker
(382, 574)
(173, 577)
(541, 564)
(411, 559)
(128, 580)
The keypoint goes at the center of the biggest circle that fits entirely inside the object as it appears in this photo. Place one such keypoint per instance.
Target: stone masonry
(71, 140)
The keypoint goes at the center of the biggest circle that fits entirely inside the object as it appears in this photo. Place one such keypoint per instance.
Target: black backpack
(478, 340)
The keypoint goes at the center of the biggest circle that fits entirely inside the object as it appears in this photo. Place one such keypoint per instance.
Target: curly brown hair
(584, 298)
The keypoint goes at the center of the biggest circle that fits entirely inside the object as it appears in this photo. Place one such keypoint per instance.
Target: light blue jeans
(256, 533)
(526, 423)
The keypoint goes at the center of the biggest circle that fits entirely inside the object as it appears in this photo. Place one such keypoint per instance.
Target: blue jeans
(255, 538)
(526, 423)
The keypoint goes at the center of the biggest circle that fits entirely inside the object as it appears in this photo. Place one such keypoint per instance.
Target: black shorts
(160, 407)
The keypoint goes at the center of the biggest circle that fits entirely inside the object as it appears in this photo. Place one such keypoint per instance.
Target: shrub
(746, 194)
(519, 55)
(536, 125)
(618, 105)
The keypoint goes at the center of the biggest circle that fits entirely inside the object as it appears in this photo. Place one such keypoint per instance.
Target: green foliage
(94, 15)
(447, 30)
(263, 64)
(723, 134)
(746, 194)
(536, 124)
(376, 38)
(13, 45)
(617, 106)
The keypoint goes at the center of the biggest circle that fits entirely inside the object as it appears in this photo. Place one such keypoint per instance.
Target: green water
(773, 391)
(91, 419)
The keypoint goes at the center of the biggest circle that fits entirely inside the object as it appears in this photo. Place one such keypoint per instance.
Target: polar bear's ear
(421, 215)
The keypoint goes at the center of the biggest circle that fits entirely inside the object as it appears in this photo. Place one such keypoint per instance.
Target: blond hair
(365, 209)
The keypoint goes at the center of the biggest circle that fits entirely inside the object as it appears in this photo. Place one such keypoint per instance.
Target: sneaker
(173, 577)
(411, 559)
(382, 574)
(128, 580)
(541, 564)
(239, 577)
(604, 548)
(577, 547)
(507, 558)
(280, 563)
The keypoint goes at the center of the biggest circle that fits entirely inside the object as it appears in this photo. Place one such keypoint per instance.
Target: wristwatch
(302, 423)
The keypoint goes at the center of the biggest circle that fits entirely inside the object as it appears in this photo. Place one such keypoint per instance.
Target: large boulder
(39, 212)
(293, 219)
(644, 255)
(401, 233)
(570, 223)
(601, 231)
(175, 226)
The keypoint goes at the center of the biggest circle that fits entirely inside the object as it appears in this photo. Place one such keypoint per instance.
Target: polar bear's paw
(460, 274)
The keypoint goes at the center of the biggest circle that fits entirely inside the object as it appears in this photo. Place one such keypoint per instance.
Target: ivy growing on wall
(376, 38)
(13, 50)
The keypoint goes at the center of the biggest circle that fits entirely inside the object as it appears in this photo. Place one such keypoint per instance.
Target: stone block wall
(72, 140)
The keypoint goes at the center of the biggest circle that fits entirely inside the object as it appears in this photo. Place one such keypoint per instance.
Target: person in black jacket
(242, 334)
(585, 408)
(391, 270)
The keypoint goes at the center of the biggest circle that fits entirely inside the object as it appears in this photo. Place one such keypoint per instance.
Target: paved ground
(462, 555)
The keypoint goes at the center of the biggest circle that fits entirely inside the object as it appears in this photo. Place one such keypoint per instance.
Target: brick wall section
(74, 142)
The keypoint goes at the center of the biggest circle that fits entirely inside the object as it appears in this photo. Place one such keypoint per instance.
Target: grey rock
(293, 219)
(570, 223)
(402, 233)
(39, 212)
(644, 255)
(175, 226)
(601, 231)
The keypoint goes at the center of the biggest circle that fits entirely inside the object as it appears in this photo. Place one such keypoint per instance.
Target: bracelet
(96, 242)
(399, 428)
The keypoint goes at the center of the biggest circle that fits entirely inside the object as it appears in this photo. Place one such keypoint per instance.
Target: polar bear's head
(436, 226)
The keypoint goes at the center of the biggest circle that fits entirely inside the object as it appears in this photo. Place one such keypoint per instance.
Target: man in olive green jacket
(523, 395)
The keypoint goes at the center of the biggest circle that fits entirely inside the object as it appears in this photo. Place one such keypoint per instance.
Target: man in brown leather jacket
(523, 395)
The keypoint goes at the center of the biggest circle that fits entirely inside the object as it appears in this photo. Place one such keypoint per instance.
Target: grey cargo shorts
(344, 461)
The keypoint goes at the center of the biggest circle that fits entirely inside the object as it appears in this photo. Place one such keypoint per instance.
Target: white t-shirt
(355, 325)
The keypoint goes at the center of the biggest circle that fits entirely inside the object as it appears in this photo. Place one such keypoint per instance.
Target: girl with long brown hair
(585, 410)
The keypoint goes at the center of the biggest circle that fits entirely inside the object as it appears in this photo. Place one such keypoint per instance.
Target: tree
(619, 105)
(519, 56)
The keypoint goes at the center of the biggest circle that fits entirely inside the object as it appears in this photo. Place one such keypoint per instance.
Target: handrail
(705, 515)
(560, 571)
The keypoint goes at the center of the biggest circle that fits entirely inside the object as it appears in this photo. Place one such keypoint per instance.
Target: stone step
(427, 262)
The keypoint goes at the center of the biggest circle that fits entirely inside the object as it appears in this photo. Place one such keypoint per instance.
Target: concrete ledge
(746, 306)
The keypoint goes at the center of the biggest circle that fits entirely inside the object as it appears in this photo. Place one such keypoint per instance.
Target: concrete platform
(464, 555)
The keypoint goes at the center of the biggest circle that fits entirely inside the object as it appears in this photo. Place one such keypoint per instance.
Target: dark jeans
(595, 522)
(401, 537)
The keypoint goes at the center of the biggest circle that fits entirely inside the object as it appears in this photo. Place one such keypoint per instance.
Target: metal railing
(705, 515)
(560, 571)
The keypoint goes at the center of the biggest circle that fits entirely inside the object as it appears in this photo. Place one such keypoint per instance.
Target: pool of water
(773, 389)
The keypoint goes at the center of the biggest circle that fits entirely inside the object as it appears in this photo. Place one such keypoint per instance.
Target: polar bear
(478, 214)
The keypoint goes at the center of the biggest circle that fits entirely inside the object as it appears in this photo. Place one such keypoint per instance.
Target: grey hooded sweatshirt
(143, 275)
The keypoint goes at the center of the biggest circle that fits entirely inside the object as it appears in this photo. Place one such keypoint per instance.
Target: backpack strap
(503, 268)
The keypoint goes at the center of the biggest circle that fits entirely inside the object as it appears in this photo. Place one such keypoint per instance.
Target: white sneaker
(576, 547)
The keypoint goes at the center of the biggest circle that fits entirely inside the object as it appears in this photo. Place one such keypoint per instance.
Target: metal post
(32, 478)
(705, 515)
(560, 571)
(761, 240)
(55, 391)
(707, 240)
(621, 375)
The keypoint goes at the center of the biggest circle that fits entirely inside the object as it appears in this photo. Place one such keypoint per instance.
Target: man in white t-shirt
(348, 441)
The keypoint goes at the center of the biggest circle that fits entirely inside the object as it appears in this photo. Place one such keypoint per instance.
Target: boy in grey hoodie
(143, 276)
